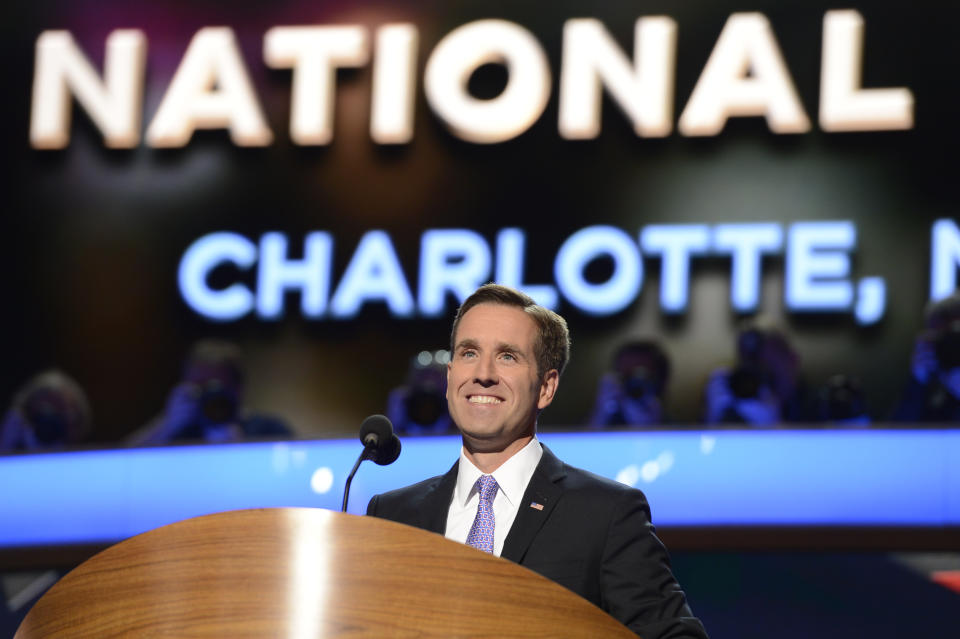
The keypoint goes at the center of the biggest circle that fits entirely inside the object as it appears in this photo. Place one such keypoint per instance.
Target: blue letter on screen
(746, 244)
(510, 252)
(818, 264)
(583, 247)
(455, 260)
(374, 273)
(277, 273)
(203, 256)
(944, 258)
(675, 243)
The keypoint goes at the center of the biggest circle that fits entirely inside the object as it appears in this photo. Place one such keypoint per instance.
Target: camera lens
(424, 407)
(947, 347)
(639, 383)
(48, 415)
(217, 403)
(841, 398)
(745, 382)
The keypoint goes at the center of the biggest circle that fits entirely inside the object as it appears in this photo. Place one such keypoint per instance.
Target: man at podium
(510, 496)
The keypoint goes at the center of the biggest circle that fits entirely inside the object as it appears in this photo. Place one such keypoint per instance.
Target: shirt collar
(512, 476)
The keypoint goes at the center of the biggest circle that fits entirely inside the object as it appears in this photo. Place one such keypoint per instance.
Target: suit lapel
(436, 502)
(544, 490)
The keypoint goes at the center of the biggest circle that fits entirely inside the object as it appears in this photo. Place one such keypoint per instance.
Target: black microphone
(380, 444)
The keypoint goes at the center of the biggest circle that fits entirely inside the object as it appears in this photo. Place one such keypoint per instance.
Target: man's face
(493, 390)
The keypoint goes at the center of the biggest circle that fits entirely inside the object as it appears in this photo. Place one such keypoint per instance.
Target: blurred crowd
(51, 411)
(763, 386)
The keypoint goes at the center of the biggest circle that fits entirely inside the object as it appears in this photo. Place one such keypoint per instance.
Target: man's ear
(449, 364)
(548, 388)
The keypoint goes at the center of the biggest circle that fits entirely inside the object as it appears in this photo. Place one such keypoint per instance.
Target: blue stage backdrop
(697, 478)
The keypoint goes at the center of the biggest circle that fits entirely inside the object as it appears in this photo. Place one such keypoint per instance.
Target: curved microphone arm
(346, 489)
(379, 444)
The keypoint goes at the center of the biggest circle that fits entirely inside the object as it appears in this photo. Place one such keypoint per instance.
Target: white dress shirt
(512, 477)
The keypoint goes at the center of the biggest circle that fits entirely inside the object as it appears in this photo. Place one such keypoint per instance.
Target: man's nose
(486, 371)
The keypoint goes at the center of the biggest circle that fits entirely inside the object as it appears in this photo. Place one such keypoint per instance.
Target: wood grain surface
(303, 573)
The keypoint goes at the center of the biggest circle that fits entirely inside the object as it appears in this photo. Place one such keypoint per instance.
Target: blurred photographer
(50, 412)
(632, 392)
(932, 393)
(419, 406)
(207, 403)
(763, 388)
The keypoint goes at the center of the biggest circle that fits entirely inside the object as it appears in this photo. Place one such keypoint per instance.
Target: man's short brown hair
(552, 346)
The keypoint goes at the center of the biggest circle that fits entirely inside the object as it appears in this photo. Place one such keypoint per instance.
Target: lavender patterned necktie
(481, 533)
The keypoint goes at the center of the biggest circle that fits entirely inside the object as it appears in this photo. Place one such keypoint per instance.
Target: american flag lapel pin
(536, 506)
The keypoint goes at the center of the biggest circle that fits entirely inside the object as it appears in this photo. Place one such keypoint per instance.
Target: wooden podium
(300, 573)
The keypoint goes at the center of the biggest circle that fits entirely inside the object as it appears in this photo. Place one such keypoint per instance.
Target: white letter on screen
(311, 275)
(675, 243)
(818, 265)
(643, 89)
(745, 76)
(844, 105)
(454, 260)
(465, 49)
(509, 272)
(746, 244)
(210, 90)
(200, 259)
(314, 54)
(394, 81)
(374, 273)
(944, 258)
(583, 247)
(114, 104)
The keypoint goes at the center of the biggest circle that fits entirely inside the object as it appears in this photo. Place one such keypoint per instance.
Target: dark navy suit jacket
(592, 536)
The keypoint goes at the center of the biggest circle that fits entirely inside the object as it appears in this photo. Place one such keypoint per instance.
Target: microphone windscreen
(376, 430)
(388, 453)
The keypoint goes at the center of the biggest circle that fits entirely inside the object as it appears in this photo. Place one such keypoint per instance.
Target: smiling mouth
(484, 399)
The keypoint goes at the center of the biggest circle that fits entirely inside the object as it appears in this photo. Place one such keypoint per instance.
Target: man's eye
(468, 354)
(509, 357)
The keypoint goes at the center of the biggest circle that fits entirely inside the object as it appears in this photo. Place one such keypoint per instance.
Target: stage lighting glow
(321, 481)
(692, 478)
